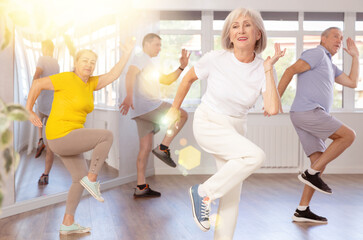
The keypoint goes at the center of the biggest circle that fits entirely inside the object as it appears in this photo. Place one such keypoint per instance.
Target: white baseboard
(28, 205)
(178, 171)
(212, 170)
(339, 170)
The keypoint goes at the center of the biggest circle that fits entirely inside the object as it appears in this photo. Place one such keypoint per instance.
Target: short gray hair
(326, 32)
(256, 19)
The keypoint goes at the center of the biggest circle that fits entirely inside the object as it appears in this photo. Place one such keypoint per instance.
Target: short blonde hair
(257, 21)
(81, 52)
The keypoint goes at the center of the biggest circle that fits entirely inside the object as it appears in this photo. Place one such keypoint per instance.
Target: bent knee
(108, 136)
(183, 114)
(352, 136)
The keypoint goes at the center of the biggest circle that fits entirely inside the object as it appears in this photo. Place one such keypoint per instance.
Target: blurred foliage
(9, 113)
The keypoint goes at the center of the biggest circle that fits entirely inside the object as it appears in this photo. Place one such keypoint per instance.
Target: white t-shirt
(146, 89)
(233, 87)
(50, 66)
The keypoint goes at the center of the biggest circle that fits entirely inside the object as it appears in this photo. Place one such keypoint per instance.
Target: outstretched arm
(351, 80)
(271, 98)
(116, 71)
(172, 77)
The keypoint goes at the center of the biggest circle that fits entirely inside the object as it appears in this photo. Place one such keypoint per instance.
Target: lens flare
(183, 142)
(189, 157)
(169, 132)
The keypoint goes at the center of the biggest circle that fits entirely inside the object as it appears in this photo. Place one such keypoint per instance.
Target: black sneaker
(164, 155)
(147, 192)
(308, 216)
(315, 182)
(44, 179)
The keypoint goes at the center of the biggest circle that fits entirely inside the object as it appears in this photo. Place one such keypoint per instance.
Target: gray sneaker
(201, 208)
(164, 155)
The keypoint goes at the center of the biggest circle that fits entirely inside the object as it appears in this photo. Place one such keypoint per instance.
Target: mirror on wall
(35, 158)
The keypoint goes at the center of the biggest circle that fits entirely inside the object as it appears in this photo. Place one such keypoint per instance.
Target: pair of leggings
(236, 159)
(71, 147)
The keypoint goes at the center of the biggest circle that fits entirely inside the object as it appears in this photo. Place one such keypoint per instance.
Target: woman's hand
(128, 46)
(270, 61)
(34, 119)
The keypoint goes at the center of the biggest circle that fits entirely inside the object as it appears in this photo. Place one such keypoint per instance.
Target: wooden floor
(268, 202)
(31, 168)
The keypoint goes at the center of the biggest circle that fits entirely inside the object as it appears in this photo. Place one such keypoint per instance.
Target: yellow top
(73, 100)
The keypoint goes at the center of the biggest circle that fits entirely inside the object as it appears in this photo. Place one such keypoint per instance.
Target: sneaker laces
(167, 151)
(205, 208)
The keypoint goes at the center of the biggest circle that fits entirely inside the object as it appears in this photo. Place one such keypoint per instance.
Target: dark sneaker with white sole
(201, 208)
(164, 155)
(315, 182)
(146, 192)
(308, 216)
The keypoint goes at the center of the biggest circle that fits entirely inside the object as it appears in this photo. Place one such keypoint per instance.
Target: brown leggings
(71, 148)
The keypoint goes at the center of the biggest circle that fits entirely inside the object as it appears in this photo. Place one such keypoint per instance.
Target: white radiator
(279, 142)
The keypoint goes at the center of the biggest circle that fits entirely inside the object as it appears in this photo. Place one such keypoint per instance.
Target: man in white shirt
(148, 108)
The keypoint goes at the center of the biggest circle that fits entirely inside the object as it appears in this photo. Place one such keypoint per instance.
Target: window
(180, 30)
(280, 21)
(290, 57)
(169, 59)
(359, 89)
(359, 22)
(319, 21)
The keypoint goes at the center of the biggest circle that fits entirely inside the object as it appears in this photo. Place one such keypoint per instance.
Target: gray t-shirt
(50, 66)
(315, 87)
(147, 86)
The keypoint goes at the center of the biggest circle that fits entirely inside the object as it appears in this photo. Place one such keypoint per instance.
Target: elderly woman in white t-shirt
(236, 77)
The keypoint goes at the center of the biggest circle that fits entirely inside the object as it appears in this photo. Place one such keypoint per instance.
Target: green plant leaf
(8, 156)
(17, 113)
(6, 139)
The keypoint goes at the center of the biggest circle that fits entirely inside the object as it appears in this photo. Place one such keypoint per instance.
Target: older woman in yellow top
(66, 135)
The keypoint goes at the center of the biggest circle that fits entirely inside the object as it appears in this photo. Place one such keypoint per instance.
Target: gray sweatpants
(71, 148)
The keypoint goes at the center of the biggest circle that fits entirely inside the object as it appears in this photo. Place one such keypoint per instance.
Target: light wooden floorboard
(267, 204)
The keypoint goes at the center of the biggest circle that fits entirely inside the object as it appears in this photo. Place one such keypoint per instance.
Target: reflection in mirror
(28, 55)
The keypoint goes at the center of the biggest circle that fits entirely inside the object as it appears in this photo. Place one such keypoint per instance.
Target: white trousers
(236, 158)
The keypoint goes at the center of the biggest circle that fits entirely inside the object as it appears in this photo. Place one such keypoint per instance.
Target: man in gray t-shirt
(46, 66)
(310, 112)
(148, 108)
